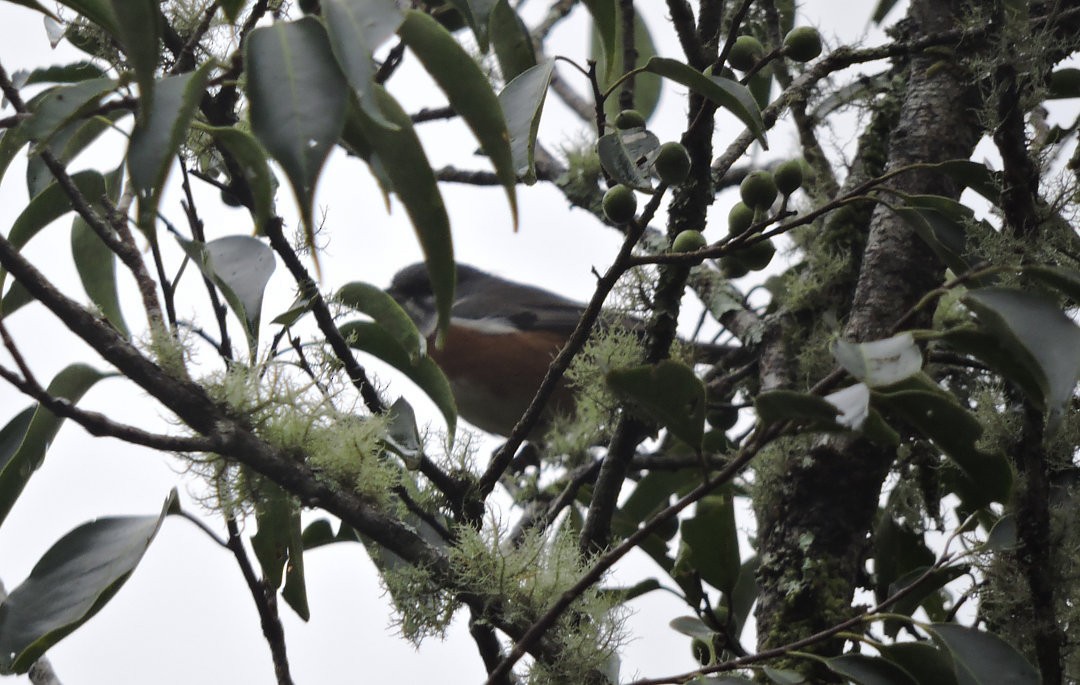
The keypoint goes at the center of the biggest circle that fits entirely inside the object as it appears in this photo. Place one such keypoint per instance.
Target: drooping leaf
(232, 8)
(731, 95)
(468, 90)
(782, 676)
(1064, 84)
(511, 40)
(12, 140)
(941, 223)
(609, 67)
(279, 547)
(138, 29)
(64, 73)
(158, 135)
(387, 313)
(63, 104)
(787, 405)
(1003, 536)
(29, 449)
(668, 393)
(880, 362)
(744, 594)
(402, 434)
(373, 339)
(925, 662)
(626, 156)
(240, 266)
(356, 28)
(298, 99)
(522, 102)
(96, 264)
(477, 14)
(36, 6)
(869, 670)
(65, 145)
(72, 582)
(251, 157)
(974, 175)
(1039, 337)
(1061, 278)
(399, 157)
(713, 540)
(983, 658)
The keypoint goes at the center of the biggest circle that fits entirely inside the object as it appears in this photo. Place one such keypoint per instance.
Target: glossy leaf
(668, 393)
(975, 176)
(297, 98)
(511, 40)
(96, 265)
(869, 670)
(376, 303)
(468, 90)
(158, 134)
(980, 657)
(692, 626)
(1040, 337)
(940, 222)
(138, 29)
(251, 157)
(787, 405)
(782, 676)
(62, 104)
(1061, 278)
(356, 29)
(880, 362)
(731, 95)
(398, 156)
(64, 73)
(713, 540)
(609, 66)
(66, 144)
(522, 102)
(373, 339)
(279, 547)
(12, 140)
(925, 662)
(626, 156)
(240, 266)
(605, 26)
(72, 582)
(402, 434)
(48, 206)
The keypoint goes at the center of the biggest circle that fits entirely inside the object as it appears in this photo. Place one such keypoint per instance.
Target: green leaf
(36, 6)
(869, 670)
(1064, 84)
(787, 405)
(387, 313)
(356, 28)
(1061, 278)
(402, 435)
(298, 99)
(731, 95)
(96, 264)
(522, 102)
(240, 266)
(28, 450)
(251, 157)
(713, 540)
(279, 546)
(62, 104)
(980, 657)
(783, 676)
(880, 362)
(744, 594)
(974, 175)
(626, 155)
(1039, 337)
(882, 9)
(609, 66)
(48, 206)
(692, 626)
(605, 27)
(925, 662)
(98, 11)
(669, 393)
(232, 8)
(941, 223)
(72, 582)
(468, 90)
(158, 134)
(398, 155)
(12, 140)
(477, 14)
(64, 73)
(138, 29)
(373, 339)
(511, 40)
(66, 144)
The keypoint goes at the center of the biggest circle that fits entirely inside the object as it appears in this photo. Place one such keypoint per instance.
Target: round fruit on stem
(672, 163)
(758, 189)
(745, 53)
(628, 119)
(740, 218)
(688, 241)
(802, 44)
(789, 176)
(620, 204)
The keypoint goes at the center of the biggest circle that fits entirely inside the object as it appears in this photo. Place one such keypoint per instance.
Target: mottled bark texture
(818, 497)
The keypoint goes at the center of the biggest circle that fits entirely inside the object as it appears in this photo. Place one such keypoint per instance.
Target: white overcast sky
(185, 616)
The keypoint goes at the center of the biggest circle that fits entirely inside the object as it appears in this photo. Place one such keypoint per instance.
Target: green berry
(688, 241)
(620, 204)
(672, 163)
(628, 119)
(757, 256)
(758, 189)
(802, 44)
(745, 53)
(789, 176)
(733, 267)
(739, 218)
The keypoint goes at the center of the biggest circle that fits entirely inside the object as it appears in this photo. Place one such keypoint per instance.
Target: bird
(500, 342)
